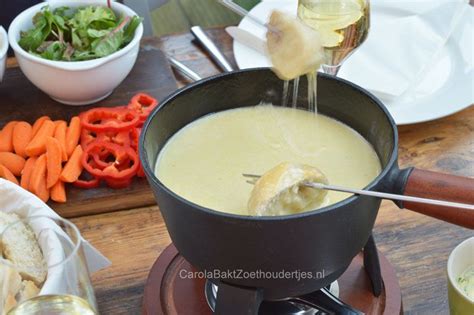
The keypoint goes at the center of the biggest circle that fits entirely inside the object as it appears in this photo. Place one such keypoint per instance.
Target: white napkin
(15, 199)
(399, 51)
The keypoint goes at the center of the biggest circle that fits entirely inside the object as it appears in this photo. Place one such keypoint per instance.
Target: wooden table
(417, 246)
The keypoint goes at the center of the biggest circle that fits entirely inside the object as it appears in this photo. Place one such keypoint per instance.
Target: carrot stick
(53, 161)
(73, 134)
(26, 173)
(58, 192)
(60, 135)
(73, 167)
(37, 145)
(6, 144)
(21, 137)
(38, 123)
(5, 173)
(38, 179)
(43, 193)
(13, 162)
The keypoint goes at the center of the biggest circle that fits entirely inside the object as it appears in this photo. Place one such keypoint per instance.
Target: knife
(248, 39)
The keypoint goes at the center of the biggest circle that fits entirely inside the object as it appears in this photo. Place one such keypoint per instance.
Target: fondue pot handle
(427, 184)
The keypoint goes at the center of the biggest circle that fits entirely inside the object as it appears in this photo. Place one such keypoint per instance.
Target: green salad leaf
(75, 35)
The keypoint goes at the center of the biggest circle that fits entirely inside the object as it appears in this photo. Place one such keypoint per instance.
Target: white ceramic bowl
(3, 51)
(460, 259)
(75, 82)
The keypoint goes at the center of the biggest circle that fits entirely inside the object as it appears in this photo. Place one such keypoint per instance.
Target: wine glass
(67, 288)
(342, 24)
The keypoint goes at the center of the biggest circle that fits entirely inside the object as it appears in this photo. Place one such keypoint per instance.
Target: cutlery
(190, 74)
(211, 48)
(254, 178)
(248, 39)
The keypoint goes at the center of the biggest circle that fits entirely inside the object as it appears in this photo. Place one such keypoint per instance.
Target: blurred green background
(179, 15)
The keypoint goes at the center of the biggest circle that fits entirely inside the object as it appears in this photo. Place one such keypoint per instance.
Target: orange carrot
(26, 173)
(38, 179)
(73, 134)
(38, 123)
(21, 137)
(37, 145)
(6, 144)
(60, 135)
(43, 193)
(53, 161)
(5, 173)
(73, 167)
(58, 192)
(13, 162)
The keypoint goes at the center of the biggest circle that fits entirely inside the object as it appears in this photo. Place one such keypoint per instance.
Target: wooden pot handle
(426, 184)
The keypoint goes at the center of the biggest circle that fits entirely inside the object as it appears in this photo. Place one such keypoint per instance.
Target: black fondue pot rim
(151, 174)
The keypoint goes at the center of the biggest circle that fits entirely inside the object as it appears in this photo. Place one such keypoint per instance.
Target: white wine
(342, 24)
(53, 305)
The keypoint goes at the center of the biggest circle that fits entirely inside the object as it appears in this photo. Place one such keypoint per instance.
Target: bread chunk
(294, 48)
(282, 190)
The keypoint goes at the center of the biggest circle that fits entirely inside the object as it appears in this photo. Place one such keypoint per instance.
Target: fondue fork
(253, 179)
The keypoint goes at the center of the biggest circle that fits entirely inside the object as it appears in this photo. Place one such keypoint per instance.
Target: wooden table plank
(132, 240)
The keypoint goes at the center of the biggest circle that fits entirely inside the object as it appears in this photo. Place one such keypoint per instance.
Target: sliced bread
(19, 245)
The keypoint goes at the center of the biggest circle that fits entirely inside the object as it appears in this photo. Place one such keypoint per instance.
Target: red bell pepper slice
(142, 104)
(135, 138)
(86, 181)
(121, 137)
(140, 171)
(118, 184)
(120, 162)
(87, 137)
(86, 184)
(102, 119)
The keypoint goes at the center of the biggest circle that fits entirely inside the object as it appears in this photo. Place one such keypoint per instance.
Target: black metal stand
(372, 266)
(234, 300)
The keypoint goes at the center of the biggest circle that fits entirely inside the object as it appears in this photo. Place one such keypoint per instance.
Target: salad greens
(75, 35)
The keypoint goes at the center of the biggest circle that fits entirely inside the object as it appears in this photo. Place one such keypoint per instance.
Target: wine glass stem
(332, 70)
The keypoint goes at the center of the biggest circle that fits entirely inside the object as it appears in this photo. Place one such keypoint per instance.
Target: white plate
(446, 88)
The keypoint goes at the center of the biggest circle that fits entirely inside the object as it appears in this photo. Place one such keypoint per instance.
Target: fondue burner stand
(369, 285)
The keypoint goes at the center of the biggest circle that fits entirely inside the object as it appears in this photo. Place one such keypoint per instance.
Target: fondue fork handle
(427, 184)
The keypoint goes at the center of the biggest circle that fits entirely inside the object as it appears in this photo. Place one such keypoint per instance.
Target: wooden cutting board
(21, 100)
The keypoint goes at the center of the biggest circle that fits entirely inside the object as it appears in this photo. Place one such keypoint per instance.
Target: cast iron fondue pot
(324, 240)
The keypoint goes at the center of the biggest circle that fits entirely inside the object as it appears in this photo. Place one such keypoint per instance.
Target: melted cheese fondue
(204, 161)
